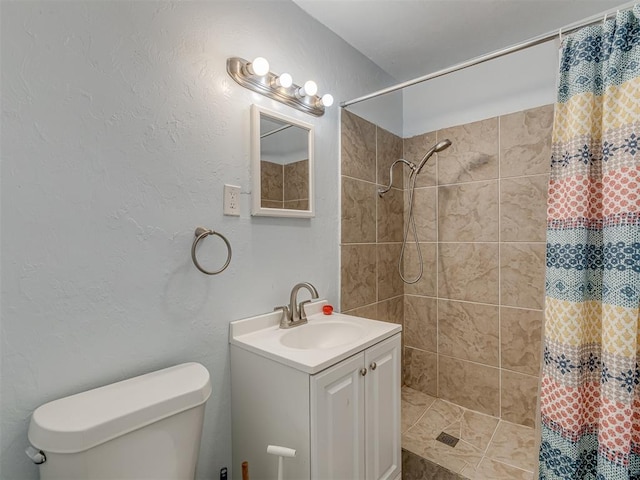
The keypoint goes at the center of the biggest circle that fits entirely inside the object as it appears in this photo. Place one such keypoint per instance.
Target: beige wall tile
(468, 331)
(358, 211)
(271, 181)
(424, 214)
(470, 385)
(358, 138)
(521, 339)
(357, 276)
(420, 370)
(519, 398)
(468, 212)
(271, 204)
(414, 149)
(468, 271)
(476, 211)
(390, 216)
(420, 322)
(296, 180)
(391, 310)
(473, 154)
(523, 209)
(368, 311)
(525, 142)
(389, 149)
(522, 268)
(296, 204)
(427, 284)
(389, 281)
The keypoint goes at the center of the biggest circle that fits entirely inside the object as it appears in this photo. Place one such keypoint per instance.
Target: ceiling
(411, 38)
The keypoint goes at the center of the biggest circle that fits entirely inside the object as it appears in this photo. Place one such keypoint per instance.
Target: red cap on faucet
(327, 309)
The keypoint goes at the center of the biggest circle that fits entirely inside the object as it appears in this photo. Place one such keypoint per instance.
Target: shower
(415, 170)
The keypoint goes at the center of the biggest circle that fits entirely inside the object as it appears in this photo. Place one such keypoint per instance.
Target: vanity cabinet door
(382, 399)
(338, 421)
(355, 416)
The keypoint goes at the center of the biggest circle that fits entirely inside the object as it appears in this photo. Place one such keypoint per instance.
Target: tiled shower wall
(285, 186)
(472, 325)
(371, 226)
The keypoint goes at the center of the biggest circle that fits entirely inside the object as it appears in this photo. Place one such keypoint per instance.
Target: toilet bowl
(147, 427)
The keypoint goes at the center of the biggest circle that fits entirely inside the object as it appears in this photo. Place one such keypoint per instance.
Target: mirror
(282, 165)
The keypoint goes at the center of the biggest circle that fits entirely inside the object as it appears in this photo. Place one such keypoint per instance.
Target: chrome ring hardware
(363, 371)
(200, 234)
(373, 366)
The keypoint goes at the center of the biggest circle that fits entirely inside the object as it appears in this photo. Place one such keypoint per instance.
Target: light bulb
(310, 88)
(259, 66)
(327, 100)
(284, 80)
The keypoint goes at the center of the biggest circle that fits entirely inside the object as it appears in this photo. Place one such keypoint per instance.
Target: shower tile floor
(488, 449)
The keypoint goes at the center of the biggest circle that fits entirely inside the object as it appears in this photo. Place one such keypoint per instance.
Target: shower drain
(447, 439)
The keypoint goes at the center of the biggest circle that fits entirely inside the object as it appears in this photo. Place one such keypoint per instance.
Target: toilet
(147, 427)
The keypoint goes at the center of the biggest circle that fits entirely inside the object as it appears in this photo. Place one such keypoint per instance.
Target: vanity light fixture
(284, 80)
(255, 75)
(327, 99)
(259, 67)
(310, 88)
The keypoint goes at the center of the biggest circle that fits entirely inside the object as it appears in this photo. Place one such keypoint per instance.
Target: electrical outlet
(231, 202)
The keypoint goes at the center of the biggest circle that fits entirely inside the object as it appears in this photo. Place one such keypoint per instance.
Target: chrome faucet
(292, 314)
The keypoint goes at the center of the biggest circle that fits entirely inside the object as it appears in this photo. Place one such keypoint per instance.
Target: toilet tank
(147, 427)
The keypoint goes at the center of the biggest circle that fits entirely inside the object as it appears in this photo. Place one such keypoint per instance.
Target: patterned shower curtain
(590, 400)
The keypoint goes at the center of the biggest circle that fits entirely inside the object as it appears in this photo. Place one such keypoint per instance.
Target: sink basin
(312, 347)
(328, 334)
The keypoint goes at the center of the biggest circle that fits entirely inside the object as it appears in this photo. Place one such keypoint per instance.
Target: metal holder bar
(532, 42)
(265, 85)
(201, 233)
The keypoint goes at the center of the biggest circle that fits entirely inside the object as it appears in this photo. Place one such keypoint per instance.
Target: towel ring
(201, 233)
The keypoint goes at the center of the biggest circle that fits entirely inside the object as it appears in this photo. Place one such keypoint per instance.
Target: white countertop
(262, 335)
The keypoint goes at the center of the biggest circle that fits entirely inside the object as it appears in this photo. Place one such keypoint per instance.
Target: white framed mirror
(281, 165)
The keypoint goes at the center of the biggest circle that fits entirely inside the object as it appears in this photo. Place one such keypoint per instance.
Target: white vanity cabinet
(355, 416)
(344, 421)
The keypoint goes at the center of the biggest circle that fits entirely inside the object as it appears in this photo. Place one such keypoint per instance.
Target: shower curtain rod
(495, 54)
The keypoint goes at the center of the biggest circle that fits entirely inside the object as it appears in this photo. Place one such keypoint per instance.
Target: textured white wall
(120, 126)
(512, 83)
(381, 111)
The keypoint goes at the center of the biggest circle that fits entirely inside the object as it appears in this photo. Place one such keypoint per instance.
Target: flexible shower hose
(411, 223)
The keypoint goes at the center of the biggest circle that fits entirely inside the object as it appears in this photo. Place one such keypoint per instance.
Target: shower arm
(412, 166)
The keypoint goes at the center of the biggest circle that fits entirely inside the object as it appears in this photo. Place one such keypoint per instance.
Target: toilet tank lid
(82, 421)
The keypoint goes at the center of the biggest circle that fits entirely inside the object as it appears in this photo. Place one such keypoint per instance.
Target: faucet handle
(286, 315)
(303, 314)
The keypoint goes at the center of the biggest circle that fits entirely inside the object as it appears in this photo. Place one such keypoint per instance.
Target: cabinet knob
(363, 371)
(373, 366)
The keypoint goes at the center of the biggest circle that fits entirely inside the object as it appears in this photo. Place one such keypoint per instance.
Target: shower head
(438, 147)
(415, 170)
(443, 145)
